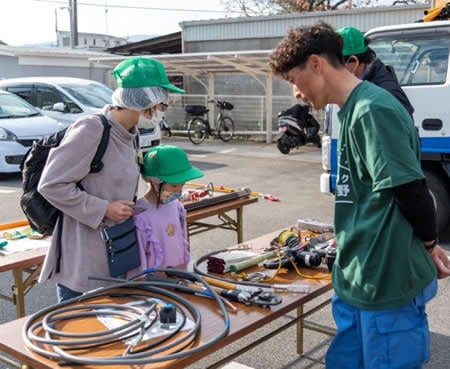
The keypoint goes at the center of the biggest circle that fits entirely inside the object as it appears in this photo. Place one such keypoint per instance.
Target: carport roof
(197, 64)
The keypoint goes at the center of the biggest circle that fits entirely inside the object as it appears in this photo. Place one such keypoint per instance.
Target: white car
(66, 99)
(20, 125)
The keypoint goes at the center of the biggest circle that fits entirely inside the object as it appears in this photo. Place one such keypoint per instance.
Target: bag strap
(59, 243)
(97, 164)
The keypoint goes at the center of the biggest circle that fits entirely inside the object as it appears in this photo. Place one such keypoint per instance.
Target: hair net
(139, 98)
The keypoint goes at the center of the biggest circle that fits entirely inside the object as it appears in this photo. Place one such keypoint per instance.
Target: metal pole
(73, 24)
(56, 26)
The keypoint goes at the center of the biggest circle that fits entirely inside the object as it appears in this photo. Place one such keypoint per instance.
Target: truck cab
(419, 55)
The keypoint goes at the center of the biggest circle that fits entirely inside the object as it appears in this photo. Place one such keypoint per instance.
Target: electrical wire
(52, 346)
(143, 7)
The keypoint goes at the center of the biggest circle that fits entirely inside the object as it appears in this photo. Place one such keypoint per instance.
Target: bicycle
(199, 127)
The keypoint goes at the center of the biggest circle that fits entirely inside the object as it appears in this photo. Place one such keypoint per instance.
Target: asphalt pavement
(294, 179)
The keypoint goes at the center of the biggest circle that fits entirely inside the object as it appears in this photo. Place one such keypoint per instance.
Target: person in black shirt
(362, 61)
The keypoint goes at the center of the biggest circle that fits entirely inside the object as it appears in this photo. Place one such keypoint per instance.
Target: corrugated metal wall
(277, 25)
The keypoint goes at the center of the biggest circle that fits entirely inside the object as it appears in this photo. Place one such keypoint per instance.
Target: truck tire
(441, 197)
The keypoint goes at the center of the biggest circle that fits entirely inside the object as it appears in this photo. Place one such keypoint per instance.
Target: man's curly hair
(296, 47)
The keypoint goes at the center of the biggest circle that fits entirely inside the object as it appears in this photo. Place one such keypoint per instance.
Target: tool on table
(314, 226)
(238, 266)
(220, 262)
(299, 288)
(14, 235)
(3, 244)
(245, 294)
(195, 195)
(255, 276)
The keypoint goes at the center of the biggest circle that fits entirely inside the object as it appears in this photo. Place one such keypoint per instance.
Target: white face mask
(148, 123)
(157, 116)
(144, 122)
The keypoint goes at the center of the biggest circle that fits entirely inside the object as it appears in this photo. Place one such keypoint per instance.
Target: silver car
(20, 125)
(66, 99)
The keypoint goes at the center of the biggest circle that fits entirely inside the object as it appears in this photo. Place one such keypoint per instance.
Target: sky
(33, 21)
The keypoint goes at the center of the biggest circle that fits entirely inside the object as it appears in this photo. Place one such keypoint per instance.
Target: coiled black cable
(61, 348)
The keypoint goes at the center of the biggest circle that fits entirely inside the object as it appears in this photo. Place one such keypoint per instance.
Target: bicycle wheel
(225, 129)
(197, 131)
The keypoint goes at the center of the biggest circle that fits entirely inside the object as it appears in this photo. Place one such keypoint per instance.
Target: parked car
(66, 99)
(20, 125)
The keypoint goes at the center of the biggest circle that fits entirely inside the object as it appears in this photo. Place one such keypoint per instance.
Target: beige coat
(83, 250)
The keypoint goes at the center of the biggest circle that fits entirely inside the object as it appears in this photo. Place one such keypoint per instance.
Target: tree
(267, 7)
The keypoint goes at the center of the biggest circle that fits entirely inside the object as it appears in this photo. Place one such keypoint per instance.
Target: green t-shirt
(381, 263)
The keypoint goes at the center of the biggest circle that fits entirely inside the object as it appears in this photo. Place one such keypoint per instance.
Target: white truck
(419, 54)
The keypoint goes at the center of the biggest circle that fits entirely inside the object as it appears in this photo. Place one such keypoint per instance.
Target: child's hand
(120, 210)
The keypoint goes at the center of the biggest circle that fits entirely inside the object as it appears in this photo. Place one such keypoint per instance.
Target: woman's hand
(441, 261)
(120, 210)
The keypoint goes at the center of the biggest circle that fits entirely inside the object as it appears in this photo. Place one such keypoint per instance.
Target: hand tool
(229, 189)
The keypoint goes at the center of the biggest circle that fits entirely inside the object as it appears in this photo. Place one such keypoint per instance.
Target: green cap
(354, 41)
(139, 71)
(169, 164)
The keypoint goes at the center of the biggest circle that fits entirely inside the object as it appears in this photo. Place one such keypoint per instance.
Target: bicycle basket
(225, 105)
(195, 109)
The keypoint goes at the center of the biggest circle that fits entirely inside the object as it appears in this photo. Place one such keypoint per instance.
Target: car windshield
(12, 106)
(418, 59)
(94, 95)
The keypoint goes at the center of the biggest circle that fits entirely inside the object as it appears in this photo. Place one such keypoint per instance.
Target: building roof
(170, 43)
(49, 52)
(198, 64)
(91, 34)
(277, 25)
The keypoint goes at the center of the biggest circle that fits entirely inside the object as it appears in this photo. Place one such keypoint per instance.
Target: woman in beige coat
(106, 196)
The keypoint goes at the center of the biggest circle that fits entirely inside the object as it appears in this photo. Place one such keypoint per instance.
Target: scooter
(297, 127)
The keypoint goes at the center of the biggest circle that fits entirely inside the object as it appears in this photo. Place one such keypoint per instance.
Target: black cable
(132, 357)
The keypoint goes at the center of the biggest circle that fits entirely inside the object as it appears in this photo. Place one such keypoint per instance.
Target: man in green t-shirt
(385, 223)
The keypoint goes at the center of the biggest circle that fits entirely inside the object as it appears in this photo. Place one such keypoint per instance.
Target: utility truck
(419, 54)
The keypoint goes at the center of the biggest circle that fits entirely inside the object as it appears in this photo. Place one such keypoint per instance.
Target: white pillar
(269, 109)
(212, 107)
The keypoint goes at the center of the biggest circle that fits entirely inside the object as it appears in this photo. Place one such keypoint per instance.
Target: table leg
(300, 329)
(19, 292)
(240, 226)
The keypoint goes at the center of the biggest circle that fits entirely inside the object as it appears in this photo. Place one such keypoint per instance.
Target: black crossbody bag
(121, 241)
(121, 247)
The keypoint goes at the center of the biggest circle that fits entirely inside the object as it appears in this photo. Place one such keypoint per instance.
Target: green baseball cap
(169, 164)
(354, 41)
(139, 71)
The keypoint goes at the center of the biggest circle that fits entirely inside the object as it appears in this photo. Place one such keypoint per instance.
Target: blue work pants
(395, 338)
